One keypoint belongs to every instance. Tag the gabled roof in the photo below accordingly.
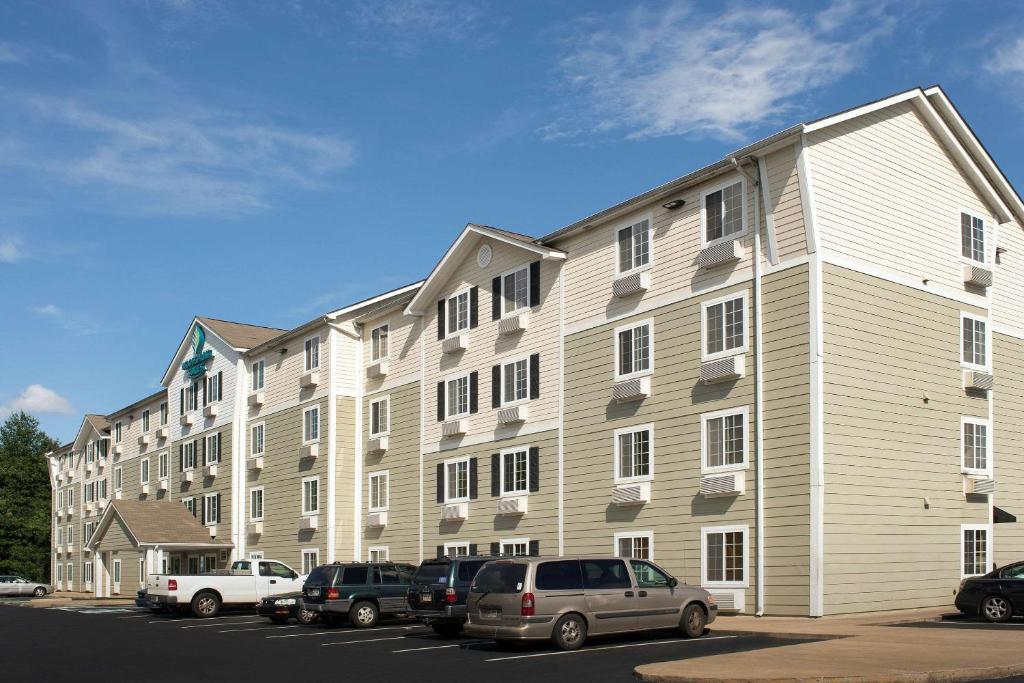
(138, 404)
(97, 423)
(239, 336)
(156, 522)
(460, 249)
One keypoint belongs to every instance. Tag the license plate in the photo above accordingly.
(314, 592)
(426, 597)
(490, 613)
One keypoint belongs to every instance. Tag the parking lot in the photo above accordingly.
(110, 643)
(957, 621)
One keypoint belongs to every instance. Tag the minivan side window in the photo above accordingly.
(500, 577)
(559, 576)
(354, 575)
(648, 576)
(605, 574)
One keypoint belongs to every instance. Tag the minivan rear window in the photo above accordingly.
(468, 570)
(559, 576)
(436, 572)
(354, 576)
(500, 577)
(322, 576)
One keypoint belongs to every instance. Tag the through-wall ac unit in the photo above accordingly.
(162, 485)
(310, 451)
(185, 420)
(454, 427)
(636, 493)
(212, 530)
(723, 369)
(635, 389)
(979, 484)
(377, 445)
(70, 510)
(378, 369)
(717, 254)
(70, 476)
(978, 380)
(89, 508)
(308, 522)
(377, 520)
(455, 343)
(89, 468)
(210, 471)
(101, 505)
(513, 415)
(144, 489)
(254, 528)
(117, 495)
(631, 284)
(514, 323)
(729, 600)
(723, 484)
(256, 398)
(210, 410)
(516, 505)
(979, 276)
(187, 476)
(118, 449)
(455, 512)
(162, 433)
(256, 462)
(144, 440)
(310, 379)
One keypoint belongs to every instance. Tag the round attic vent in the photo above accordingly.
(483, 257)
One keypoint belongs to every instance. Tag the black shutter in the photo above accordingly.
(440, 482)
(220, 385)
(495, 548)
(204, 451)
(440, 551)
(534, 469)
(474, 299)
(181, 404)
(534, 284)
(495, 474)
(440, 319)
(473, 381)
(205, 382)
(217, 521)
(535, 548)
(472, 549)
(496, 386)
(440, 401)
(496, 298)
(181, 458)
(535, 376)
(472, 478)
(220, 450)
(625, 249)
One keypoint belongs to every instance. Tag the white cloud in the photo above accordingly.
(1008, 60)
(405, 24)
(678, 71)
(37, 399)
(74, 322)
(11, 249)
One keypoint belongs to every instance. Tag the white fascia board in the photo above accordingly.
(377, 299)
(861, 111)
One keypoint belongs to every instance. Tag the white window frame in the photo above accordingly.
(387, 490)
(514, 541)
(215, 441)
(71, 534)
(616, 452)
(705, 468)
(306, 512)
(163, 467)
(263, 504)
(964, 315)
(501, 472)
(164, 414)
(375, 354)
(87, 571)
(145, 421)
(452, 545)
(115, 573)
(623, 535)
(262, 427)
(448, 393)
(311, 353)
(305, 413)
(632, 223)
(142, 571)
(60, 535)
(69, 574)
(984, 240)
(708, 530)
(187, 448)
(386, 400)
(704, 241)
(118, 432)
(257, 367)
(206, 509)
(452, 461)
(517, 401)
(190, 504)
(650, 336)
(307, 552)
(725, 353)
(378, 549)
(448, 331)
(144, 472)
(118, 479)
(987, 564)
(501, 288)
(987, 424)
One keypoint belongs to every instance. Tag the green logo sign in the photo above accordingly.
(196, 365)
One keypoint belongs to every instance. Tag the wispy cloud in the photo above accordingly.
(37, 399)
(75, 322)
(12, 249)
(648, 72)
(11, 54)
(1008, 59)
(405, 25)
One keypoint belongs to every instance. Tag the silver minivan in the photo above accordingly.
(568, 598)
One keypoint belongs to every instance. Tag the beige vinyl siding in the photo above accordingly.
(888, 348)
(403, 348)
(1008, 424)
(784, 202)
(116, 545)
(344, 363)
(887, 193)
(1007, 302)
(179, 489)
(282, 372)
(401, 460)
(345, 468)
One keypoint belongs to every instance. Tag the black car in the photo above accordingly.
(358, 591)
(280, 608)
(996, 596)
(440, 589)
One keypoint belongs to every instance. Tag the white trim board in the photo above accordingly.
(489, 437)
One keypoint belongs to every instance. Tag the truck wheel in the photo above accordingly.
(693, 621)
(446, 629)
(364, 614)
(205, 605)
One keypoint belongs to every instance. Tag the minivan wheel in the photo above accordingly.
(570, 632)
(446, 629)
(363, 614)
(996, 608)
(205, 605)
(693, 622)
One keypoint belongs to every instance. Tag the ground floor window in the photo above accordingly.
(87, 572)
(142, 571)
(638, 545)
(71, 575)
(379, 553)
(974, 542)
(60, 573)
(724, 551)
(310, 559)
(515, 546)
(117, 571)
(457, 549)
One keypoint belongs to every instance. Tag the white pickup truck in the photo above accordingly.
(205, 594)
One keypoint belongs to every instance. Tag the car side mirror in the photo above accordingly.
(673, 582)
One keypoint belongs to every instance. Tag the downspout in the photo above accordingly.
(758, 386)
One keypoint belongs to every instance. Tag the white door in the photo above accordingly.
(117, 577)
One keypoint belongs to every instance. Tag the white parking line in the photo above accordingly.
(976, 624)
(346, 633)
(178, 620)
(608, 647)
(259, 628)
(233, 623)
(364, 640)
(441, 647)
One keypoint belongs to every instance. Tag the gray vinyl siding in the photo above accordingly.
(1008, 425)
(179, 489)
(116, 545)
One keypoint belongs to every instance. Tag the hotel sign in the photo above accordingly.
(196, 365)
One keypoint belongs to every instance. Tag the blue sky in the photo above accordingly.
(268, 162)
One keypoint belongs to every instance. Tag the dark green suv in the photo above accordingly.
(439, 590)
(359, 591)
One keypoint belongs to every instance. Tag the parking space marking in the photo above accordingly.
(233, 623)
(343, 633)
(978, 624)
(178, 620)
(608, 647)
(363, 640)
(440, 647)
(259, 628)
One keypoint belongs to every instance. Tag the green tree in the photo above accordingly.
(24, 498)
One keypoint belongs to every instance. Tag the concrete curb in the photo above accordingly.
(946, 676)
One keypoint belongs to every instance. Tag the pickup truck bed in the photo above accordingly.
(204, 594)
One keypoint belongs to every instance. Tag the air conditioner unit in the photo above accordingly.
(59, 478)
(144, 440)
(724, 484)
(631, 390)
(256, 463)
(979, 276)
(101, 505)
(308, 523)
(70, 476)
(210, 471)
(377, 445)
(163, 485)
(256, 398)
(212, 530)
(729, 600)
(69, 548)
(631, 284)
(455, 512)
(254, 528)
(144, 489)
(89, 508)
(513, 415)
(454, 427)
(377, 519)
(162, 433)
(516, 505)
(310, 451)
(70, 510)
(185, 420)
(723, 369)
(118, 449)
(310, 379)
(979, 485)
(378, 369)
(187, 476)
(717, 254)
(514, 323)
(978, 380)
(455, 343)
(89, 468)
(210, 410)
(631, 494)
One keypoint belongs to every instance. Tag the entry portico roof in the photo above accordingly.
(162, 523)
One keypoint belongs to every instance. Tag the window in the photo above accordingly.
(379, 343)
(144, 471)
(649, 576)
(256, 371)
(118, 476)
(723, 213)
(213, 388)
(310, 559)
(311, 425)
(117, 433)
(515, 291)
(71, 574)
(87, 530)
(71, 497)
(724, 551)
(724, 440)
(457, 319)
(378, 553)
(190, 396)
(456, 549)
(163, 414)
(633, 451)
(311, 496)
(213, 449)
(605, 574)
(634, 245)
(312, 353)
(516, 547)
(723, 329)
(256, 440)
(457, 396)
(101, 487)
(975, 444)
(188, 455)
(211, 509)
(515, 381)
(974, 335)
(378, 491)
(60, 535)
(256, 504)
(456, 480)
(636, 545)
(162, 466)
(87, 572)
(145, 421)
(90, 492)
(972, 237)
(117, 571)
(190, 505)
(633, 349)
(379, 416)
(71, 535)
(515, 471)
(60, 573)
(142, 571)
(974, 549)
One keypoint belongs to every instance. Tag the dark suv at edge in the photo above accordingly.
(359, 591)
(439, 591)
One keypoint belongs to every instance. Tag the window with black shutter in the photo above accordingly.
(534, 284)
(440, 401)
(496, 386)
(535, 548)
(534, 469)
(496, 298)
(473, 382)
(440, 319)
(472, 549)
(474, 300)
(535, 376)
(495, 474)
(495, 548)
(472, 479)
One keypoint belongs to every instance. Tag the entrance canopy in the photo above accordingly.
(163, 524)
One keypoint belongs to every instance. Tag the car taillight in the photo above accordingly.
(333, 594)
(172, 584)
(450, 595)
(527, 609)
